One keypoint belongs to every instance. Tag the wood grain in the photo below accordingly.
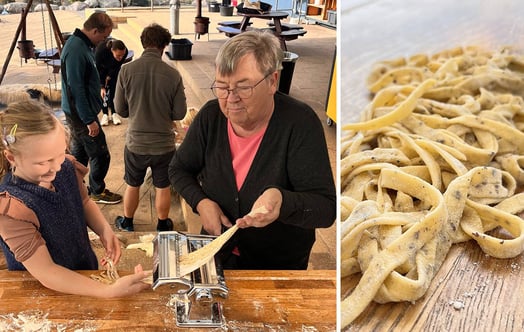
(378, 30)
(490, 289)
(257, 301)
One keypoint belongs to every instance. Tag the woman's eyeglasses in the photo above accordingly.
(243, 92)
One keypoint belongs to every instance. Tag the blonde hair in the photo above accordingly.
(21, 120)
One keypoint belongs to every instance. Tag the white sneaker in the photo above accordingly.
(105, 120)
(116, 119)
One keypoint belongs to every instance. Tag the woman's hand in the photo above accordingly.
(271, 200)
(212, 217)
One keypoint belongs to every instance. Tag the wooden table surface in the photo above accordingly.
(257, 301)
(275, 16)
(388, 29)
(491, 290)
(272, 15)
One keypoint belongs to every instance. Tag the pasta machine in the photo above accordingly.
(195, 298)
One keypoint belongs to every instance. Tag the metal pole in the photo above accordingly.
(199, 8)
(174, 11)
(56, 29)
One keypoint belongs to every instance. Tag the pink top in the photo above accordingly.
(243, 151)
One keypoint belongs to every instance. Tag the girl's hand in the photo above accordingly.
(131, 284)
(112, 246)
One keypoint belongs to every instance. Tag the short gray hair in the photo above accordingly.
(263, 45)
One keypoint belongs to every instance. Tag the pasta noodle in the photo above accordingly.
(197, 258)
(437, 159)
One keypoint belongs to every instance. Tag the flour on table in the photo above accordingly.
(37, 321)
(457, 305)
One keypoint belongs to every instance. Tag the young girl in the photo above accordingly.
(45, 209)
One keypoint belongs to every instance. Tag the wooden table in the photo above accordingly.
(388, 29)
(272, 15)
(492, 290)
(278, 30)
(258, 301)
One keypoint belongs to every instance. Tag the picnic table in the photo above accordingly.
(279, 29)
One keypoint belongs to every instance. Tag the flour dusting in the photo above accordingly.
(36, 321)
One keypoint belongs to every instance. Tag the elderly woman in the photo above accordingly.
(254, 147)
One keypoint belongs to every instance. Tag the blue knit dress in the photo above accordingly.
(61, 216)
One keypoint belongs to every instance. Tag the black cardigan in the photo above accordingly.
(292, 156)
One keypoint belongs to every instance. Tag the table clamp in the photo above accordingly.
(194, 300)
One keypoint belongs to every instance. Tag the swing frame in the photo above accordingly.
(56, 31)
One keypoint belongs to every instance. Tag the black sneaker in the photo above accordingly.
(106, 197)
(164, 225)
(123, 225)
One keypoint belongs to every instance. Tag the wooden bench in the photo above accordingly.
(55, 63)
(232, 24)
(229, 31)
(292, 34)
(48, 54)
(286, 35)
(286, 26)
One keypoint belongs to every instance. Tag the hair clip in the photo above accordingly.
(10, 138)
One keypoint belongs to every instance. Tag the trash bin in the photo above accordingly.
(180, 49)
(286, 75)
(213, 7)
(226, 10)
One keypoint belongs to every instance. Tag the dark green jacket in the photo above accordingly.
(80, 80)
